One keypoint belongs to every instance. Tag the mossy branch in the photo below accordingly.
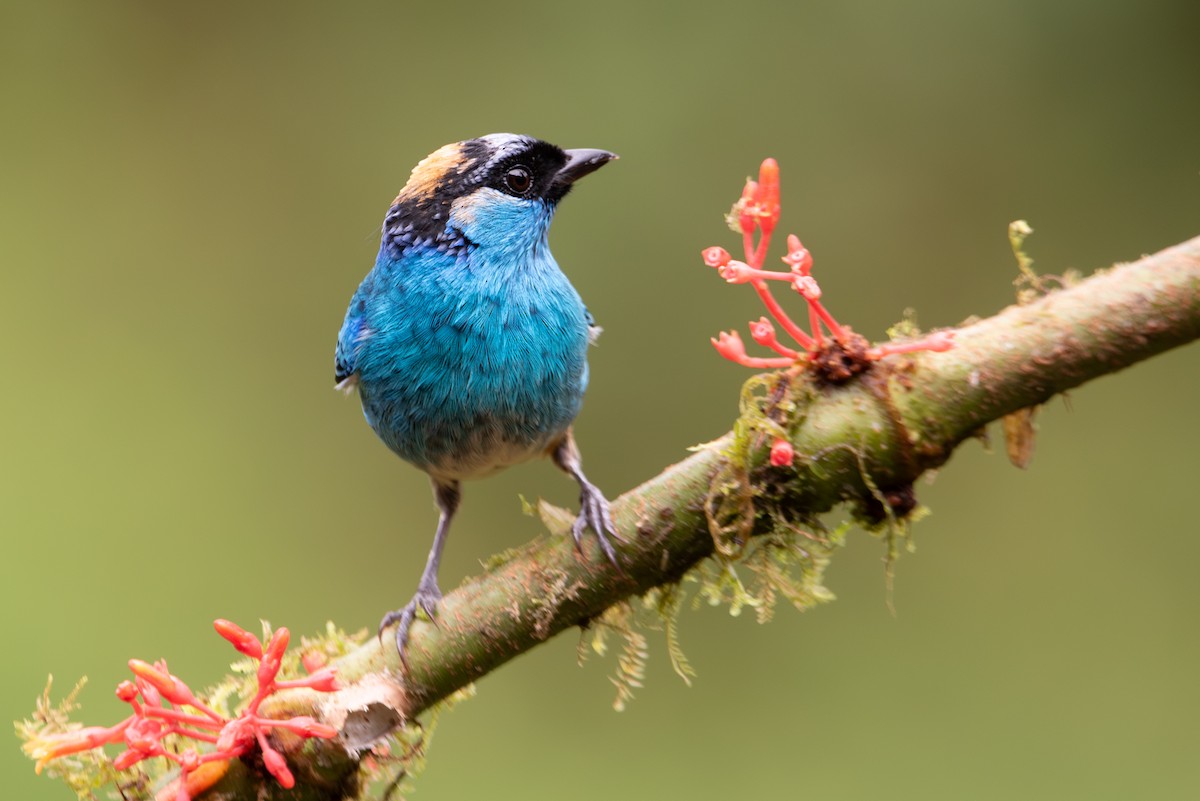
(902, 418)
(862, 442)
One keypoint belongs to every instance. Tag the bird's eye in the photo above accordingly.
(518, 180)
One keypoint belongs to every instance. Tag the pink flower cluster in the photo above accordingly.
(164, 705)
(758, 211)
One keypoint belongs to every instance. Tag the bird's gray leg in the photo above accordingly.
(446, 496)
(593, 507)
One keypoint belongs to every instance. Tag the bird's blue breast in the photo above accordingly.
(468, 358)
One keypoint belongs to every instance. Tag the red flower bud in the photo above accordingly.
(782, 453)
(149, 673)
(85, 739)
(715, 256)
(277, 766)
(798, 257)
(170, 687)
(278, 644)
(767, 196)
(730, 345)
(736, 272)
(268, 669)
(241, 639)
(149, 694)
(763, 332)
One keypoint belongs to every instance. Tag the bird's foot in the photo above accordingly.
(594, 512)
(426, 599)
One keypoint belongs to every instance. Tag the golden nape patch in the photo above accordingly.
(429, 171)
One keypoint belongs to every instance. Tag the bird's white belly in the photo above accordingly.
(489, 453)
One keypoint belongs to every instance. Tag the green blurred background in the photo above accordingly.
(190, 193)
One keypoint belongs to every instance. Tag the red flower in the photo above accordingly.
(782, 453)
(764, 334)
(715, 256)
(767, 197)
(758, 210)
(242, 640)
(730, 346)
(798, 257)
(151, 721)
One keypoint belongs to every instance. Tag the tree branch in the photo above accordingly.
(902, 417)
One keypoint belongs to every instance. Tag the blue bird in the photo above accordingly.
(466, 342)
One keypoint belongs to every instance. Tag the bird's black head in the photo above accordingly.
(497, 172)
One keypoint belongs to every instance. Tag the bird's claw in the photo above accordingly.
(426, 599)
(594, 511)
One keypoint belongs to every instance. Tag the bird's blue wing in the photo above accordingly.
(354, 329)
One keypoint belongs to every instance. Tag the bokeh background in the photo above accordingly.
(191, 192)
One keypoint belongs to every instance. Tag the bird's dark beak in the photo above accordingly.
(580, 162)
